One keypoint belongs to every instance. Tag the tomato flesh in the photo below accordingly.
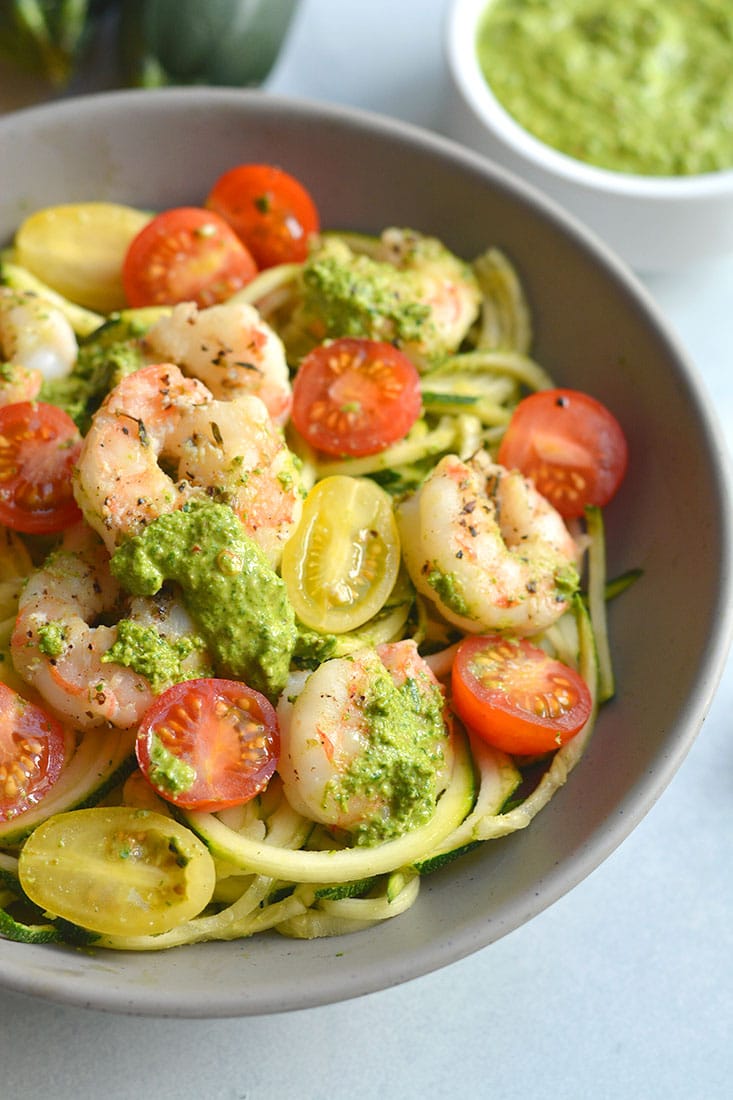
(355, 397)
(342, 562)
(208, 744)
(570, 445)
(515, 696)
(32, 749)
(185, 255)
(117, 870)
(39, 447)
(269, 210)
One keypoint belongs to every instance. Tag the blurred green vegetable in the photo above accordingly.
(227, 42)
(47, 37)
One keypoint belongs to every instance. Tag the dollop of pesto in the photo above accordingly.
(52, 639)
(639, 86)
(167, 771)
(402, 756)
(237, 600)
(449, 590)
(353, 294)
(160, 661)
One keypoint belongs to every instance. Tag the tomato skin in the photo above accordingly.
(515, 696)
(39, 447)
(221, 733)
(269, 210)
(32, 752)
(571, 446)
(186, 254)
(355, 396)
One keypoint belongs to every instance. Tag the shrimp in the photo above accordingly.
(35, 336)
(444, 283)
(364, 743)
(229, 348)
(487, 549)
(56, 649)
(18, 384)
(160, 440)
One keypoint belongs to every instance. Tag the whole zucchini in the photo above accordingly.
(226, 42)
(47, 37)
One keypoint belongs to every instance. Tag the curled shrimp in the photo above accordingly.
(59, 647)
(56, 648)
(337, 770)
(36, 339)
(160, 439)
(443, 282)
(487, 549)
(229, 348)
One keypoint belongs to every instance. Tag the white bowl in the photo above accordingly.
(658, 223)
(596, 330)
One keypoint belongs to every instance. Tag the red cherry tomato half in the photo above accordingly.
(185, 255)
(571, 446)
(355, 397)
(208, 744)
(515, 696)
(39, 447)
(269, 210)
(32, 751)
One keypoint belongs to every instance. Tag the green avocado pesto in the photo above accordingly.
(355, 295)
(228, 586)
(160, 661)
(449, 591)
(640, 86)
(402, 755)
(52, 639)
(167, 771)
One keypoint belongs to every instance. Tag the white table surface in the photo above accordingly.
(624, 988)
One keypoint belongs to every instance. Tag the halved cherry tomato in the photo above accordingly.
(342, 562)
(208, 744)
(117, 870)
(355, 396)
(185, 255)
(268, 209)
(515, 696)
(571, 446)
(32, 750)
(39, 447)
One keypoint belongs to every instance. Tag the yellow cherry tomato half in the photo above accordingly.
(77, 249)
(117, 870)
(342, 562)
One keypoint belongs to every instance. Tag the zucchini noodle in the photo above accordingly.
(273, 867)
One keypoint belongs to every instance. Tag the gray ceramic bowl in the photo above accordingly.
(596, 330)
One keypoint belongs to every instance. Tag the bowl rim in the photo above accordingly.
(92, 989)
(460, 24)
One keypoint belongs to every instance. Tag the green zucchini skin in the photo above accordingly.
(48, 37)
(222, 42)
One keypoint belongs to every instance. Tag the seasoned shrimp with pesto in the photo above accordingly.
(365, 743)
(483, 546)
(160, 440)
(84, 667)
(407, 288)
